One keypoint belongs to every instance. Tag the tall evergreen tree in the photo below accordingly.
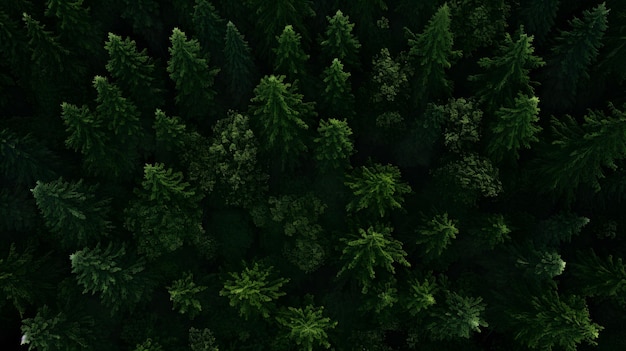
(333, 146)
(238, 67)
(183, 293)
(339, 42)
(208, 26)
(75, 24)
(600, 276)
(507, 73)
(537, 17)
(52, 331)
(337, 98)
(120, 114)
(190, 70)
(431, 54)
(458, 317)
(306, 327)
(290, 58)
(436, 234)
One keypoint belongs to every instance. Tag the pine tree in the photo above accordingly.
(458, 317)
(190, 70)
(507, 73)
(306, 327)
(436, 234)
(238, 67)
(183, 293)
(598, 276)
(120, 114)
(252, 291)
(337, 98)
(554, 322)
(431, 54)
(207, 25)
(421, 294)
(339, 42)
(170, 135)
(282, 118)
(72, 212)
(538, 16)
(514, 128)
(134, 72)
(372, 248)
(111, 273)
(377, 189)
(164, 213)
(574, 52)
(50, 331)
(333, 146)
(290, 58)
(75, 24)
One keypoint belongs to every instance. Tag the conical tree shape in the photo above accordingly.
(600, 276)
(337, 98)
(306, 327)
(333, 146)
(339, 42)
(458, 317)
(514, 128)
(537, 17)
(52, 331)
(183, 293)
(238, 67)
(75, 24)
(120, 113)
(507, 73)
(193, 77)
(431, 54)
(290, 58)
(72, 212)
(208, 26)
(436, 234)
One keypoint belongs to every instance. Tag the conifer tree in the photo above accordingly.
(339, 42)
(431, 55)
(120, 114)
(111, 273)
(514, 128)
(333, 146)
(253, 291)
(458, 317)
(372, 248)
(421, 294)
(164, 213)
(238, 67)
(208, 26)
(75, 24)
(202, 340)
(553, 322)
(377, 189)
(170, 136)
(282, 117)
(600, 276)
(134, 72)
(23, 159)
(436, 234)
(507, 73)
(337, 98)
(190, 70)
(183, 293)
(50, 331)
(537, 17)
(462, 124)
(573, 54)
(290, 58)
(143, 15)
(306, 327)
(72, 212)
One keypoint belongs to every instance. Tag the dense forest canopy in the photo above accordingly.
(308, 175)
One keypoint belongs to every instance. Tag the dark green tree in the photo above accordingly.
(337, 98)
(120, 113)
(537, 17)
(600, 276)
(253, 291)
(202, 340)
(421, 295)
(190, 71)
(436, 234)
(50, 331)
(333, 146)
(75, 24)
(208, 26)
(306, 327)
(339, 42)
(431, 54)
(290, 58)
(184, 295)
(377, 189)
(238, 67)
(457, 317)
(469, 178)
(507, 74)
(72, 212)
(462, 124)
(390, 78)
(170, 135)
(23, 159)
(514, 128)
(144, 17)
(477, 23)
(371, 249)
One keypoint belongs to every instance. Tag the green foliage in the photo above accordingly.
(111, 273)
(431, 54)
(183, 293)
(47, 53)
(436, 234)
(202, 340)
(305, 253)
(48, 331)
(190, 71)
(149, 345)
(75, 23)
(164, 213)
(238, 66)
(377, 189)
(458, 317)
(333, 146)
(306, 327)
(538, 17)
(477, 23)
(23, 159)
(462, 124)
(121, 114)
(170, 132)
(494, 230)
(600, 276)
(390, 77)
(19, 281)
(290, 58)
(207, 25)
(553, 322)
(17, 210)
(560, 228)
(339, 42)
(282, 117)
(507, 73)
(253, 291)
(298, 215)
(515, 128)
(421, 295)
(371, 249)
(541, 264)
(72, 212)
(473, 174)
(337, 98)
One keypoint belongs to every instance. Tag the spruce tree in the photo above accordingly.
(238, 67)
(457, 317)
(421, 295)
(120, 114)
(514, 128)
(436, 234)
(371, 249)
(207, 25)
(170, 133)
(337, 98)
(333, 146)
(306, 327)
(290, 58)
(339, 42)
(600, 276)
(75, 24)
(507, 73)
(190, 71)
(431, 55)
(183, 293)
(72, 212)
(50, 331)
(537, 17)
